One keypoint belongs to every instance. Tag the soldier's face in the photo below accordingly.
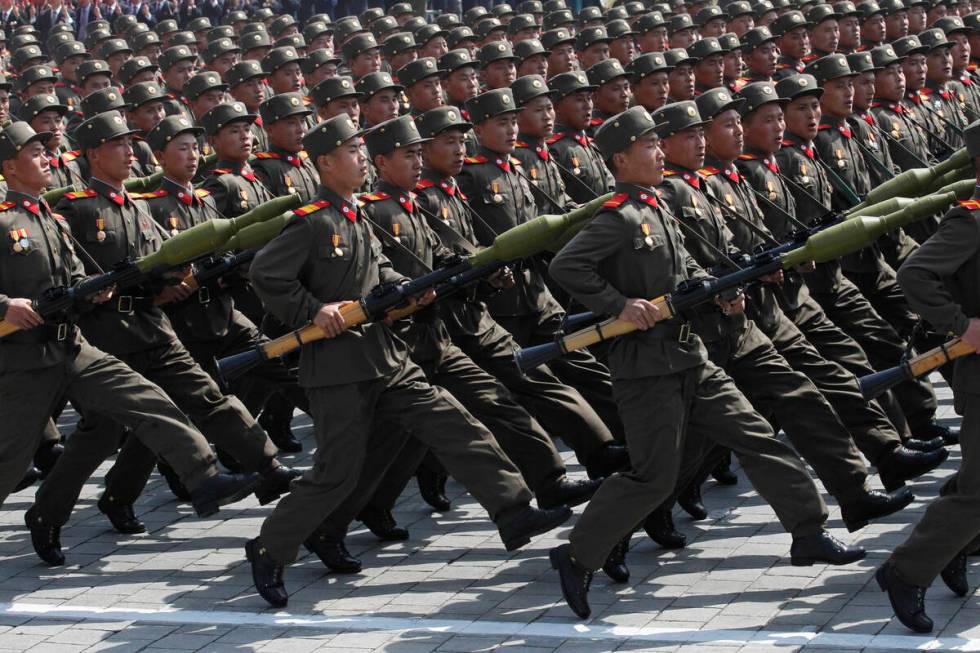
(614, 96)
(714, 27)
(593, 54)
(403, 167)
(180, 158)
(499, 133)
(113, 160)
(683, 38)
(864, 90)
(435, 47)
(425, 94)
(914, 67)
(575, 110)
(917, 19)
(960, 51)
(287, 133)
(873, 28)
(897, 25)
(655, 40)
(536, 65)
(30, 168)
(233, 142)
(724, 136)
(251, 93)
(345, 169)
(685, 148)
(762, 60)
(733, 64)
(642, 162)
(50, 121)
(288, 79)
(178, 74)
(341, 105)
(803, 117)
(44, 87)
(764, 128)
(445, 153)
(207, 101)
(838, 97)
(624, 49)
(224, 62)
(69, 65)
(890, 83)
(825, 36)
(651, 91)
(710, 71)
(850, 32)
(681, 81)
(741, 24)
(366, 62)
(462, 84)
(4, 105)
(499, 74)
(562, 59)
(795, 43)
(537, 118)
(381, 106)
(939, 65)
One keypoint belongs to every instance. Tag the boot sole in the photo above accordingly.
(250, 557)
(211, 507)
(897, 483)
(555, 564)
(518, 541)
(853, 526)
(809, 561)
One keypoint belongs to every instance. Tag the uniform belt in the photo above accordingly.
(670, 330)
(130, 304)
(47, 332)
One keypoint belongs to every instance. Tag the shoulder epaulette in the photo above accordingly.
(479, 158)
(425, 183)
(150, 195)
(748, 157)
(221, 171)
(825, 126)
(311, 208)
(555, 138)
(595, 121)
(615, 201)
(970, 205)
(7, 205)
(707, 171)
(200, 192)
(267, 155)
(668, 172)
(374, 197)
(71, 155)
(521, 144)
(515, 161)
(80, 194)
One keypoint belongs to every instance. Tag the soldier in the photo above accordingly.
(362, 55)
(369, 376)
(246, 85)
(399, 49)
(499, 193)
(940, 280)
(591, 46)
(285, 168)
(709, 69)
(532, 58)
(335, 96)
(560, 44)
(662, 382)
(937, 94)
(318, 66)
(896, 19)
(963, 84)
(872, 25)
(681, 32)
(69, 56)
(581, 166)
(498, 65)
(710, 22)
(535, 125)
(204, 91)
(282, 70)
(45, 359)
(680, 76)
(649, 80)
(114, 228)
(220, 55)
(255, 45)
(45, 114)
(824, 31)
(144, 106)
(232, 183)
(915, 68)
(177, 66)
(793, 40)
(421, 79)
(760, 54)
(612, 92)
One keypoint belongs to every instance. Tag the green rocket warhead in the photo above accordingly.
(913, 182)
(150, 182)
(256, 235)
(881, 208)
(535, 235)
(208, 237)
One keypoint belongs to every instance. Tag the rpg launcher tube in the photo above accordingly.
(875, 385)
(914, 182)
(256, 235)
(881, 208)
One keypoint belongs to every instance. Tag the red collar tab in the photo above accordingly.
(844, 130)
(615, 201)
(503, 164)
(970, 205)
(406, 202)
(646, 198)
(349, 212)
(186, 198)
(581, 139)
(247, 172)
(448, 186)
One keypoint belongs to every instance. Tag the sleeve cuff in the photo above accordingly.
(960, 324)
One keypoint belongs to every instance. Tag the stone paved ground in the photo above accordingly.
(185, 586)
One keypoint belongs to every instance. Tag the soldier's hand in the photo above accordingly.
(776, 277)
(330, 319)
(640, 313)
(971, 336)
(809, 266)
(503, 278)
(427, 298)
(21, 313)
(175, 293)
(733, 307)
(103, 296)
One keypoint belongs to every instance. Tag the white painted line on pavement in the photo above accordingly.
(499, 628)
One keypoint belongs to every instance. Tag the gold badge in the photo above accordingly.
(335, 240)
(173, 225)
(647, 238)
(100, 225)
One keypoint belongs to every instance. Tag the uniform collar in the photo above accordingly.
(726, 168)
(241, 169)
(447, 184)
(576, 134)
(347, 207)
(292, 158)
(692, 177)
(180, 192)
(118, 197)
(35, 205)
(638, 193)
(536, 144)
(502, 161)
(403, 197)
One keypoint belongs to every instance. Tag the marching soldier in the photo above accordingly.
(612, 92)
(176, 66)
(937, 95)
(581, 166)
(360, 377)
(760, 54)
(246, 85)
(285, 168)
(793, 41)
(69, 56)
(664, 383)
(45, 114)
(649, 81)
(535, 124)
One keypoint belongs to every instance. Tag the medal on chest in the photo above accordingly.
(289, 183)
(534, 174)
(575, 166)
(647, 238)
(21, 240)
(243, 194)
(803, 174)
(771, 186)
(173, 222)
(445, 214)
(335, 241)
(396, 230)
(730, 200)
(100, 225)
(497, 197)
(839, 153)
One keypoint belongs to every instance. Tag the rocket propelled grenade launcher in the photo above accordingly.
(186, 247)
(518, 242)
(877, 384)
(915, 181)
(821, 244)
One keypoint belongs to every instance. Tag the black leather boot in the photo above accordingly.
(30, 477)
(823, 547)
(519, 529)
(575, 580)
(908, 601)
(874, 505)
(954, 575)
(615, 566)
(902, 464)
(566, 492)
(47, 456)
(275, 483)
(333, 554)
(276, 419)
(916, 444)
(382, 523)
(222, 489)
(122, 516)
(723, 472)
(432, 487)
(690, 501)
(266, 574)
(659, 525)
(46, 539)
(611, 458)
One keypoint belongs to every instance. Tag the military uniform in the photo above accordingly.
(283, 172)
(363, 377)
(664, 384)
(113, 228)
(503, 199)
(40, 365)
(536, 163)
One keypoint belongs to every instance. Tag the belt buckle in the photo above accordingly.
(204, 295)
(125, 304)
(62, 331)
(684, 337)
